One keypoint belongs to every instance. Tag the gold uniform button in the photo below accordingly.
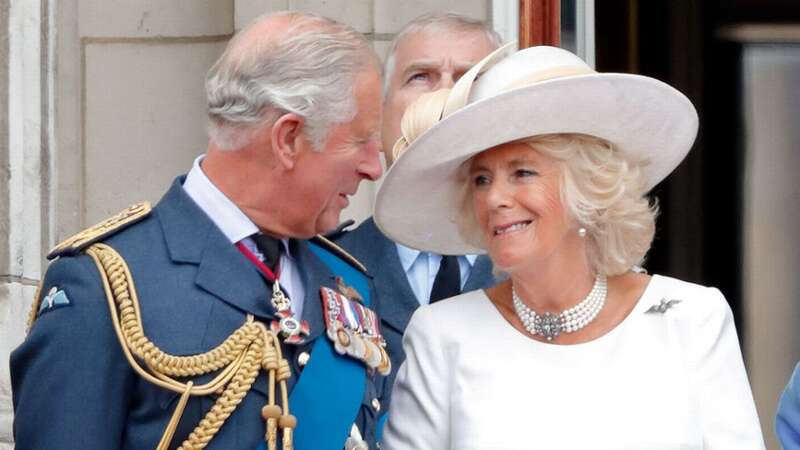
(303, 358)
(376, 404)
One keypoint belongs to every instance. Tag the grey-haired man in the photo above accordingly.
(214, 319)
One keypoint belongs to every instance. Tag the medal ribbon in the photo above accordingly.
(265, 271)
(290, 329)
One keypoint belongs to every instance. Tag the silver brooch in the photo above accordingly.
(663, 306)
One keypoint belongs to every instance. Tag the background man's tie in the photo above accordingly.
(448, 279)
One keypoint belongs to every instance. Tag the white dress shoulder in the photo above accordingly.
(659, 380)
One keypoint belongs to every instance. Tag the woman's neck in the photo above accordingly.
(555, 286)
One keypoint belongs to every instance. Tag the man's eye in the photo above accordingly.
(421, 76)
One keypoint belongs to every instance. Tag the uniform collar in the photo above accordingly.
(233, 223)
(192, 237)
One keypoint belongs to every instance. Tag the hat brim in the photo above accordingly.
(648, 121)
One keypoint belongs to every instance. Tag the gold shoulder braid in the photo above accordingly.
(75, 243)
(123, 219)
(238, 359)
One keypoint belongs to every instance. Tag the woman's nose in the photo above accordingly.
(500, 195)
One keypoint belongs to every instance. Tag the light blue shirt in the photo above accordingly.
(421, 269)
(237, 227)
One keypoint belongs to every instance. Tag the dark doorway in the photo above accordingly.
(699, 231)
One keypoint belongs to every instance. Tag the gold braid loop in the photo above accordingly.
(141, 346)
(284, 371)
(270, 361)
(239, 359)
(227, 402)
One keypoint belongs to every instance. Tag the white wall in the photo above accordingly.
(771, 77)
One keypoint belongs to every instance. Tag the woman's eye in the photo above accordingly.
(480, 180)
(522, 173)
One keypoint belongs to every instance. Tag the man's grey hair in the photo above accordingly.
(310, 70)
(437, 21)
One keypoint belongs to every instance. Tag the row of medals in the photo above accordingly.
(294, 332)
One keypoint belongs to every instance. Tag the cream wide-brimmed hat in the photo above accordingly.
(535, 91)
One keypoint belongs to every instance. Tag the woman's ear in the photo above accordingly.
(288, 139)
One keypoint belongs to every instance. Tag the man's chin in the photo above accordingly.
(328, 224)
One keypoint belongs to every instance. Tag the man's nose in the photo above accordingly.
(446, 81)
(371, 168)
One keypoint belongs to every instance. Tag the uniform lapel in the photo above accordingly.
(389, 277)
(192, 238)
(481, 274)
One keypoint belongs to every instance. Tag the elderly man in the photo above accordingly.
(430, 53)
(218, 318)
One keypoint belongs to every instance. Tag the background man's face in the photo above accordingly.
(424, 62)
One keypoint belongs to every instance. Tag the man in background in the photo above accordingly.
(429, 53)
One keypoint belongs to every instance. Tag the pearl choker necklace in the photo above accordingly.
(570, 320)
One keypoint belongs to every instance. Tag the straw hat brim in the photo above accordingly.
(645, 119)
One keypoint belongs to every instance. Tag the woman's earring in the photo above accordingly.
(582, 232)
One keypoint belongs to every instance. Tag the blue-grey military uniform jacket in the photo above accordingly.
(396, 301)
(73, 387)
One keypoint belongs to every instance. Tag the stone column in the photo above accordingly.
(25, 137)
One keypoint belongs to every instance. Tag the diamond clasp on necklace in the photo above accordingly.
(547, 325)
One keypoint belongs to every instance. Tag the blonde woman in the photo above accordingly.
(545, 164)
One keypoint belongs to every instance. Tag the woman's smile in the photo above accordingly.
(512, 227)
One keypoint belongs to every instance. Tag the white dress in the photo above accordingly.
(671, 380)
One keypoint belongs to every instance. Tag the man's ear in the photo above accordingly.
(288, 139)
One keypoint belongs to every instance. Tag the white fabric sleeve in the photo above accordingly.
(419, 412)
(718, 377)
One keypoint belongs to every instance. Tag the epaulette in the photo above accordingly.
(326, 243)
(102, 230)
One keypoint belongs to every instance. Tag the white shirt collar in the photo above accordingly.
(222, 211)
(236, 226)
(409, 255)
